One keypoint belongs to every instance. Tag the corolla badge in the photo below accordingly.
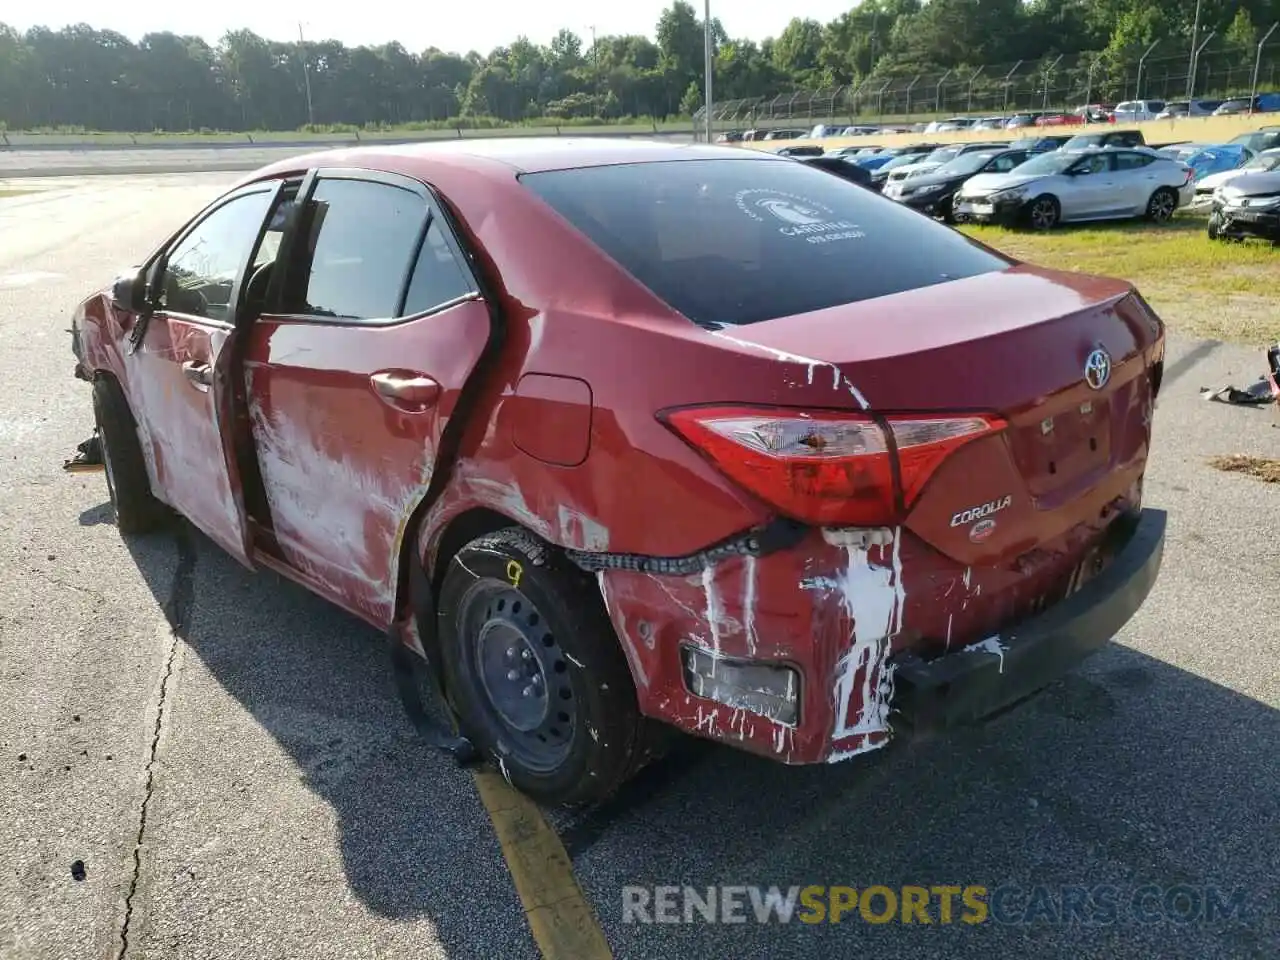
(1097, 369)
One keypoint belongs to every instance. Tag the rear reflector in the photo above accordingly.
(827, 467)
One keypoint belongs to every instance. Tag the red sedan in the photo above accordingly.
(614, 435)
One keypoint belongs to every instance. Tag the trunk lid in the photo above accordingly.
(1015, 343)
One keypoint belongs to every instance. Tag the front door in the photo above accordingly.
(352, 375)
(1092, 190)
(177, 372)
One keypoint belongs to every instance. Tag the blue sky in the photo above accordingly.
(473, 24)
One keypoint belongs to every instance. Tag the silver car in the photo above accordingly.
(1107, 183)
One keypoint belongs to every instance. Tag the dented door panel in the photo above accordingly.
(343, 469)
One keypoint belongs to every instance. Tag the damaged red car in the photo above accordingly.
(612, 436)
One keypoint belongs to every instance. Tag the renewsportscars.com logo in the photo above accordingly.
(973, 904)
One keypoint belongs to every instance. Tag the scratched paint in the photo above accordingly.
(619, 619)
(839, 380)
(874, 597)
(992, 646)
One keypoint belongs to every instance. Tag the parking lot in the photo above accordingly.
(225, 755)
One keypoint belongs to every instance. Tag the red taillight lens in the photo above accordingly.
(826, 467)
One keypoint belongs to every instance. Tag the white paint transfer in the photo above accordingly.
(620, 628)
(574, 660)
(991, 645)
(750, 574)
(811, 365)
(580, 532)
(714, 611)
(873, 596)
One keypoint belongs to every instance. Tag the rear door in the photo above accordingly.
(353, 374)
(177, 370)
(1136, 180)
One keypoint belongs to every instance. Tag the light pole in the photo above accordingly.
(1257, 62)
(595, 62)
(306, 76)
(1195, 68)
(968, 107)
(706, 53)
(1047, 74)
(937, 93)
(1142, 61)
(1191, 65)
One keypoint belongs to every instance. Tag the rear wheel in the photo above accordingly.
(136, 508)
(534, 670)
(1161, 205)
(1044, 212)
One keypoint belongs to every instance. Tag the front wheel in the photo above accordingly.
(1044, 212)
(1161, 205)
(534, 670)
(137, 510)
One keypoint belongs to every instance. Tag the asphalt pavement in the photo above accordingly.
(224, 754)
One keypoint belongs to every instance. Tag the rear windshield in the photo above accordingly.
(731, 242)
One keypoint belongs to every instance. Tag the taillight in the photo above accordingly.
(827, 467)
(1191, 174)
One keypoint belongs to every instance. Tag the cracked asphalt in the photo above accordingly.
(225, 755)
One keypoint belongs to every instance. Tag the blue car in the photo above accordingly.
(1210, 158)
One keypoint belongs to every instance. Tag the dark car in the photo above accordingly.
(1247, 206)
(807, 150)
(1039, 144)
(606, 435)
(1108, 138)
(933, 193)
(842, 167)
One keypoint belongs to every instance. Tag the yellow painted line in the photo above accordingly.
(563, 924)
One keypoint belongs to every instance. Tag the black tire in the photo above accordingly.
(513, 608)
(1044, 212)
(1162, 204)
(136, 508)
(1214, 227)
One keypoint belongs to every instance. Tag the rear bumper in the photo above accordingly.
(982, 679)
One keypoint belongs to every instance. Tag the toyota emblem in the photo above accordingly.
(1097, 369)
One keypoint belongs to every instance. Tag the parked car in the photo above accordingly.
(730, 136)
(1041, 144)
(518, 404)
(842, 167)
(937, 158)
(887, 160)
(953, 123)
(933, 192)
(823, 130)
(989, 123)
(1106, 138)
(1019, 120)
(1263, 162)
(1070, 185)
(1188, 108)
(1138, 111)
(1248, 206)
(1209, 158)
(783, 134)
(1260, 140)
(867, 151)
(1262, 103)
(1059, 120)
(803, 150)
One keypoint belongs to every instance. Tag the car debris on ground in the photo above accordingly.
(1264, 390)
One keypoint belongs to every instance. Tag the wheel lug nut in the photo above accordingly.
(525, 654)
(529, 691)
(513, 674)
(511, 653)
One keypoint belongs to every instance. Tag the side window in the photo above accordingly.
(264, 258)
(437, 276)
(362, 239)
(202, 268)
(1132, 161)
(1006, 163)
(1097, 163)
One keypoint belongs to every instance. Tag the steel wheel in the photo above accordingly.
(523, 673)
(1161, 205)
(1043, 213)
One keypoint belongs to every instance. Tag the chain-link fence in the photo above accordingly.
(1063, 83)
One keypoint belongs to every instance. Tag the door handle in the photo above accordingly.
(200, 374)
(406, 390)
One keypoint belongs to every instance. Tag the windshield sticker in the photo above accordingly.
(796, 216)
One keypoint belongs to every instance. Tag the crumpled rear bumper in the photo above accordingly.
(985, 678)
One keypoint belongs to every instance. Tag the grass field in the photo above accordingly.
(1221, 291)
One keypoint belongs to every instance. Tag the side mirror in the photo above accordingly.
(128, 292)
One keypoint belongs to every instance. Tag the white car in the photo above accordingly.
(1175, 109)
(931, 162)
(1138, 111)
(1105, 183)
(1265, 162)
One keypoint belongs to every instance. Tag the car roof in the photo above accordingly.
(519, 154)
